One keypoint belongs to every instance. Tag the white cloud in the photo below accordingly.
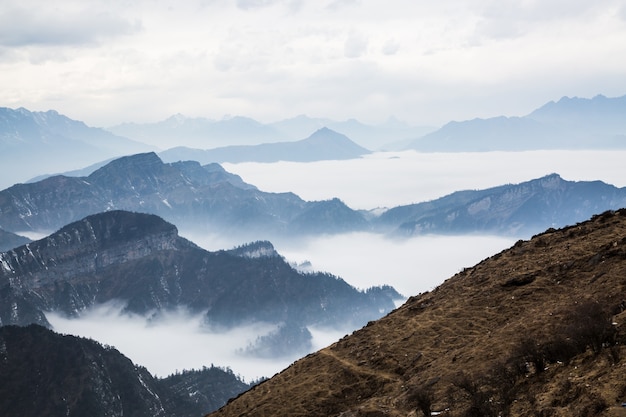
(46, 25)
(389, 179)
(355, 46)
(273, 59)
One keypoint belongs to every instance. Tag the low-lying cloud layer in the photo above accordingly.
(177, 340)
(388, 179)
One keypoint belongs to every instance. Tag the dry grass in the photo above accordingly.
(455, 349)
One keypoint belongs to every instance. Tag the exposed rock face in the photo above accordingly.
(536, 330)
(47, 374)
(139, 259)
(184, 193)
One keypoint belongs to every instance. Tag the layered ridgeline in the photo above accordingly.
(323, 144)
(512, 209)
(202, 198)
(52, 142)
(570, 123)
(209, 199)
(48, 374)
(536, 330)
(139, 260)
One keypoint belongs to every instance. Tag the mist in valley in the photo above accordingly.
(388, 179)
(178, 340)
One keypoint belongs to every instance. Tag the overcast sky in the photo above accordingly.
(425, 62)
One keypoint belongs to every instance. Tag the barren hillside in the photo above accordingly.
(536, 330)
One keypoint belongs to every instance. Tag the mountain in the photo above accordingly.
(324, 144)
(570, 123)
(140, 260)
(199, 132)
(373, 137)
(195, 197)
(536, 330)
(33, 143)
(48, 374)
(203, 133)
(513, 209)
(10, 240)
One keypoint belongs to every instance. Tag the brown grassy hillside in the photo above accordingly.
(536, 330)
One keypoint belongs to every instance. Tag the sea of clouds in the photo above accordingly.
(415, 265)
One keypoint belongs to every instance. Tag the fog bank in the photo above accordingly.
(176, 341)
(388, 179)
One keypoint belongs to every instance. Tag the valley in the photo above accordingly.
(251, 265)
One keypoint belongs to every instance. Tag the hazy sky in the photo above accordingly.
(110, 61)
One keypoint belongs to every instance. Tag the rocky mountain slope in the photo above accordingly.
(48, 374)
(570, 123)
(536, 330)
(140, 260)
(202, 198)
(51, 142)
(513, 209)
(323, 144)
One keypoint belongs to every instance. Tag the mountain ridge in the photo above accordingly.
(185, 193)
(512, 209)
(323, 144)
(537, 329)
(46, 139)
(569, 123)
(139, 260)
(45, 373)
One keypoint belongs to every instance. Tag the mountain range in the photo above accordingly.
(203, 133)
(209, 199)
(324, 144)
(139, 260)
(35, 143)
(48, 374)
(200, 198)
(536, 330)
(570, 123)
(512, 209)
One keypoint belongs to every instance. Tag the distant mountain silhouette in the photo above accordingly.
(48, 374)
(34, 143)
(203, 133)
(515, 209)
(374, 137)
(324, 144)
(200, 132)
(140, 260)
(201, 198)
(570, 123)
(209, 199)
(538, 329)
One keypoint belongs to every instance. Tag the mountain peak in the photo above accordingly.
(118, 225)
